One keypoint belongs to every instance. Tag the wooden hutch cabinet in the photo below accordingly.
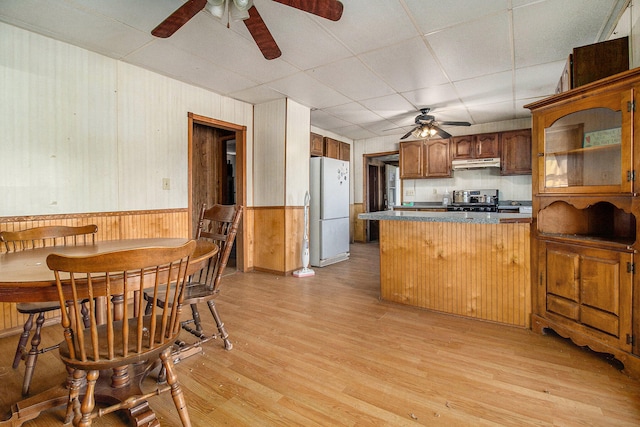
(425, 159)
(586, 146)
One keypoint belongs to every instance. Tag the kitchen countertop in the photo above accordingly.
(461, 217)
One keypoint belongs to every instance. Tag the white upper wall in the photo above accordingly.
(81, 132)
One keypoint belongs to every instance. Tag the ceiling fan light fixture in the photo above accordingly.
(424, 131)
(216, 7)
(243, 5)
(240, 10)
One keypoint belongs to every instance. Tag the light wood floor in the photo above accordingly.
(324, 351)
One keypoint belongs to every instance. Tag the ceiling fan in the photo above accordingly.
(245, 10)
(429, 127)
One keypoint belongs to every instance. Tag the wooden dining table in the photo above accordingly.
(25, 277)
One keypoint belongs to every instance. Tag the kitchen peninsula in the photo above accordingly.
(472, 264)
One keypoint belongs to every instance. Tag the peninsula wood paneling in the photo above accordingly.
(111, 226)
(474, 270)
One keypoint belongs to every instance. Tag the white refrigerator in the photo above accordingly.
(328, 211)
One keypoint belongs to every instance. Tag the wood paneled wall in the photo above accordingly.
(277, 238)
(474, 270)
(111, 226)
(358, 232)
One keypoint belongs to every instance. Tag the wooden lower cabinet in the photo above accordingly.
(589, 291)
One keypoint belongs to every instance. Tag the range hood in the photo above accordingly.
(476, 163)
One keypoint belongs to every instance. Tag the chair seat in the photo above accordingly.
(36, 307)
(133, 357)
(194, 292)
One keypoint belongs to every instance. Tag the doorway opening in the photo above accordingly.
(217, 174)
(381, 187)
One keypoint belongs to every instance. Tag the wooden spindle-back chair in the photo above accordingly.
(32, 238)
(218, 224)
(129, 337)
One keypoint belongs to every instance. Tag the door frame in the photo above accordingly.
(366, 160)
(241, 176)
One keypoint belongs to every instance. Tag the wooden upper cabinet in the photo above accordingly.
(317, 145)
(487, 145)
(411, 160)
(336, 149)
(480, 146)
(425, 159)
(331, 148)
(463, 146)
(437, 158)
(515, 158)
(345, 152)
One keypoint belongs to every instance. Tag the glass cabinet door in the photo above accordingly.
(588, 149)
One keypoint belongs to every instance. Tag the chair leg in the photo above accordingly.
(196, 317)
(89, 402)
(223, 332)
(176, 390)
(22, 343)
(32, 356)
(75, 381)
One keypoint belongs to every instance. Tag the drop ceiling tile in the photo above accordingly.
(257, 95)
(308, 91)
(389, 106)
(538, 80)
(354, 113)
(327, 121)
(368, 25)
(441, 96)
(351, 78)
(486, 89)
(437, 15)
(487, 113)
(548, 31)
(355, 132)
(189, 68)
(474, 49)
(75, 26)
(405, 66)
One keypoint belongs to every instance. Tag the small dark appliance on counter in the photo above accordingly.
(474, 201)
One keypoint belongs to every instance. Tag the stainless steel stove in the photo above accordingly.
(474, 201)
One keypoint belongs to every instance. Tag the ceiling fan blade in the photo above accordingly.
(328, 9)
(177, 19)
(441, 133)
(454, 123)
(262, 35)
(406, 135)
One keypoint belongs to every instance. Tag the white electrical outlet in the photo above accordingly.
(435, 191)
(166, 184)
(409, 192)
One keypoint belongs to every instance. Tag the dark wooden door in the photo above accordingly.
(211, 181)
(375, 198)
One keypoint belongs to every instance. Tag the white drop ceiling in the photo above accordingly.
(468, 60)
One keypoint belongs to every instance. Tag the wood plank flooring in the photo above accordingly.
(324, 351)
